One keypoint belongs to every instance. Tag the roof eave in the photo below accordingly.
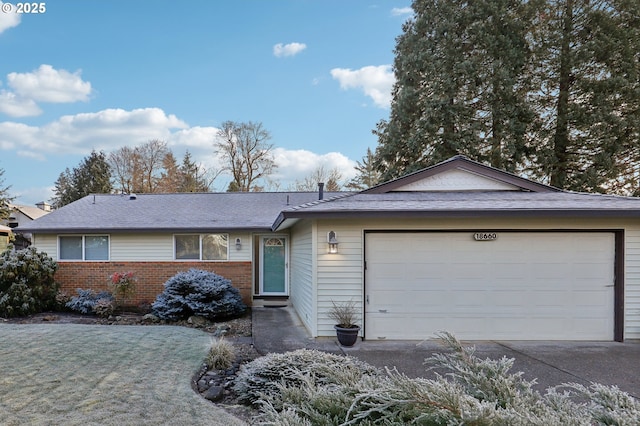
(346, 214)
(86, 230)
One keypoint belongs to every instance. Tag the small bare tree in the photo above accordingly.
(124, 167)
(151, 156)
(139, 169)
(330, 178)
(246, 154)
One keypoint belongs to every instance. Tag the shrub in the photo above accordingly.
(264, 375)
(221, 354)
(62, 297)
(87, 300)
(27, 285)
(472, 391)
(103, 307)
(198, 292)
(123, 285)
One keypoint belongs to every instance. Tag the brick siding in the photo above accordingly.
(151, 276)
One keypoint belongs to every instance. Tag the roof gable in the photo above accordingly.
(460, 174)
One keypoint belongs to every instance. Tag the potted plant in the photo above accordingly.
(345, 315)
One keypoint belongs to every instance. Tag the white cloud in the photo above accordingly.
(16, 106)
(401, 11)
(8, 20)
(291, 49)
(297, 164)
(110, 129)
(194, 137)
(78, 134)
(375, 81)
(47, 84)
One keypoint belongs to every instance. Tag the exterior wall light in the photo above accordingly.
(333, 242)
(238, 244)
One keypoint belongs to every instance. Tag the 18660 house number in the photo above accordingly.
(485, 236)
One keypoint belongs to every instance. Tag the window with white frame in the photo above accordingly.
(83, 247)
(202, 247)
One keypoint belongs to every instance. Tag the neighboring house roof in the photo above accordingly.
(182, 212)
(29, 211)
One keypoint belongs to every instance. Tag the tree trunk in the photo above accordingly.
(560, 167)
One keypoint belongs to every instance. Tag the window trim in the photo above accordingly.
(200, 240)
(84, 247)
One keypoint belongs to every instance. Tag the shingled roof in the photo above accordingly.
(269, 211)
(525, 198)
(182, 212)
(465, 204)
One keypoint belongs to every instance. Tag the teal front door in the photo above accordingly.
(273, 272)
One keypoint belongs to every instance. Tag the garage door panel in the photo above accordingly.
(520, 286)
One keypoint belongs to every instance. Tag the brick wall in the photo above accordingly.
(151, 276)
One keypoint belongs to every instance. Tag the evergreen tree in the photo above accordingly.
(589, 94)
(193, 177)
(5, 198)
(91, 176)
(460, 87)
(547, 86)
(170, 177)
(367, 175)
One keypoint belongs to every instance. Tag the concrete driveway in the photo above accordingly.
(550, 363)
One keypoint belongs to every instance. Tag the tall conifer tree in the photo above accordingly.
(550, 87)
(460, 87)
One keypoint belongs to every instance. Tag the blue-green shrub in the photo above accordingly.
(198, 292)
(87, 300)
(27, 285)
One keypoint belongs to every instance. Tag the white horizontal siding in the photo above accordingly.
(46, 243)
(340, 275)
(302, 272)
(246, 246)
(632, 283)
(146, 247)
(141, 247)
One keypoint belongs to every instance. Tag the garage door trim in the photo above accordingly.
(618, 267)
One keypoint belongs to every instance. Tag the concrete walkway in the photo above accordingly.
(551, 363)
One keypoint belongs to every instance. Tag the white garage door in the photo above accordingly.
(520, 286)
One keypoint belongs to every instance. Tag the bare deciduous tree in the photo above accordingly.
(330, 178)
(139, 169)
(246, 154)
(123, 166)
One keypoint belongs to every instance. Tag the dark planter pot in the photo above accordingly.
(347, 336)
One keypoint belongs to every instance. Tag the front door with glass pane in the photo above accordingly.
(273, 266)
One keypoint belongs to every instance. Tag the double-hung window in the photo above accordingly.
(83, 247)
(201, 247)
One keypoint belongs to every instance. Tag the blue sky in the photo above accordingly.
(102, 74)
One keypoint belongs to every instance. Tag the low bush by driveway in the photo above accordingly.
(95, 375)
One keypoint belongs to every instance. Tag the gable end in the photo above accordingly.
(467, 172)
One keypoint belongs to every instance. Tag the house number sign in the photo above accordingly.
(485, 236)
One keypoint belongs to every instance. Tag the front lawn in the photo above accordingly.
(52, 374)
